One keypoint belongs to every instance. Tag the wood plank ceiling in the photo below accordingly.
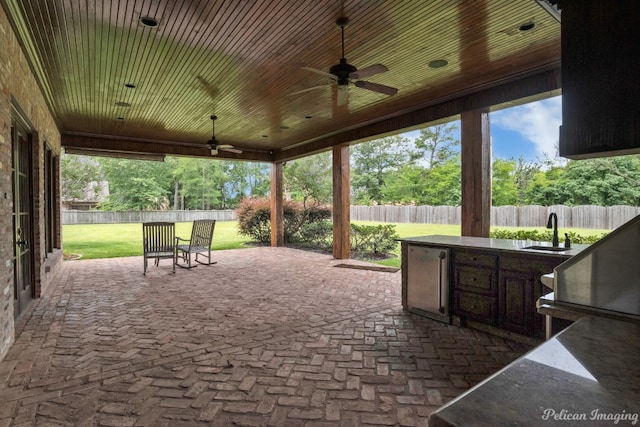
(243, 61)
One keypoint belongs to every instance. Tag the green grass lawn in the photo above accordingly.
(121, 240)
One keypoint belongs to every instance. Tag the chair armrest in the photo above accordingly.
(180, 238)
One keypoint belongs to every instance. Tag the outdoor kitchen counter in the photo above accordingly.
(493, 244)
(589, 374)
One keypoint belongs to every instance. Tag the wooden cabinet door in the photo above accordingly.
(516, 302)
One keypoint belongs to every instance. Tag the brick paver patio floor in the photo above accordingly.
(266, 337)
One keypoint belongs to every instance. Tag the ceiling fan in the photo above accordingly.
(344, 74)
(213, 143)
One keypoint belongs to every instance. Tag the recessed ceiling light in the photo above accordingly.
(265, 136)
(307, 117)
(284, 127)
(120, 119)
(130, 85)
(123, 104)
(527, 26)
(438, 63)
(147, 21)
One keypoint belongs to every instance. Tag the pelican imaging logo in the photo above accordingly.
(595, 415)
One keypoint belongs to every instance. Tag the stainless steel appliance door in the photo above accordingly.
(428, 281)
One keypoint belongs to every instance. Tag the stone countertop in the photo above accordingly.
(517, 246)
(587, 375)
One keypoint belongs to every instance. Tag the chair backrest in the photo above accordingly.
(158, 236)
(202, 233)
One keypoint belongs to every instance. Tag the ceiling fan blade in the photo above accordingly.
(368, 71)
(343, 95)
(322, 73)
(230, 149)
(376, 87)
(307, 90)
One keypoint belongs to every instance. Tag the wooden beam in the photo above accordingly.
(277, 205)
(341, 203)
(111, 143)
(476, 173)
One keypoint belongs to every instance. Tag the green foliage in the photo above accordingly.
(200, 181)
(373, 239)
(545, 236)
(137, 184)
(504, 189)
(374, 162)
(182, 183)
(254, 218)
(309, 179)
(79, 175)
(437, 143)
(317, 234)
(603, 182)
(443, 185)
(243, 179)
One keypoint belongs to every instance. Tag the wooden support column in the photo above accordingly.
(277, 210)
(341, 203)
(476, 173)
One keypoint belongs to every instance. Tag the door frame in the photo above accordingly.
(19, 123)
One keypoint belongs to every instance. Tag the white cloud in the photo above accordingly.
(538, 122)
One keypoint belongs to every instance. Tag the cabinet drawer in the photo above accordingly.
(482, 280)
(476, 259)
(476, 307)
(533, 264)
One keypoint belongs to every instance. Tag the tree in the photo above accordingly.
(407, 186)
(137, 184)
(309, 179)
(443, 184)
(438, 143)
(524, 174)
(504, 189)
(373, 163)
(603, 182)
(201, 182)
(80, 175)
(244, 179)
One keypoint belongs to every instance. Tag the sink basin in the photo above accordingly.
(546, 248)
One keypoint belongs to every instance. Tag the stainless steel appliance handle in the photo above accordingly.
(442, 256)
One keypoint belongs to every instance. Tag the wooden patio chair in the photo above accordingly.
(158, 241)
(199, 244)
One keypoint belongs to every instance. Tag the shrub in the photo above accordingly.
(254, 218)
(545, 236)
(373, 239)
(317, 234)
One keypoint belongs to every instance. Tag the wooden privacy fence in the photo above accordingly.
(599, 217)
(120, 217)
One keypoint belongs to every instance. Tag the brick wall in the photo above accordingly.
(18, 86)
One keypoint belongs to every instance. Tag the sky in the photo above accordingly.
(530, 130)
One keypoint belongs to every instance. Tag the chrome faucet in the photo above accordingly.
(553, 223)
